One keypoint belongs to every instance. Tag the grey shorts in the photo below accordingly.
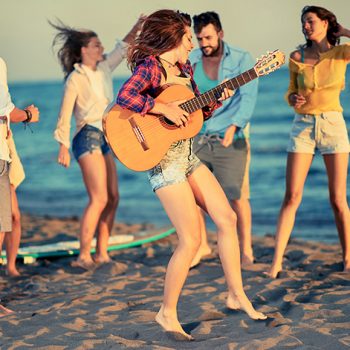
(326, 132)
(230, 165)
(5, 202)
(178, 163)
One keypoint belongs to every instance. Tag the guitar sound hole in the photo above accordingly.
(168, 121)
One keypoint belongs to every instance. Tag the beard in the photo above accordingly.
(215, 51)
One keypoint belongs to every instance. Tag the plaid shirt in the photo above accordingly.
(136, 93)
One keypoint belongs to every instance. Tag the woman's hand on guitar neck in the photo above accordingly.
(227, 93)
(172, 111)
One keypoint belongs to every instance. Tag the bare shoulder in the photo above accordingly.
(296, 55)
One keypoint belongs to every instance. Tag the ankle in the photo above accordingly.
(276, 263)
(237, 295)
(167, 312)
(103, 255)
(247, 249)
(85, 257)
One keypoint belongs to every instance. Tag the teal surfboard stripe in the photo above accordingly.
(112, 247)
(142, 241)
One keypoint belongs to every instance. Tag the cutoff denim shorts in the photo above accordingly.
(89, 140)
(326, 132)
(178, 163)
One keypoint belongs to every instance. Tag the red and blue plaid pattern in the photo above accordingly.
(136, 93)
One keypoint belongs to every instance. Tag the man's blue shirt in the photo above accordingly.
(238, 109)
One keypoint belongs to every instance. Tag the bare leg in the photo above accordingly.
(105, 225)
(2, 236)
(12, 239)
(298, 165)
(211, 198)
(179, 203)
(4, 311)
(244, 227)
(243, 211)
(204, 248)
(93, 168)
(337, 169)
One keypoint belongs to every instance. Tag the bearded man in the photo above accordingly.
(223, 143)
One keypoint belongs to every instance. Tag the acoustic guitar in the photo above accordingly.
(140, 142)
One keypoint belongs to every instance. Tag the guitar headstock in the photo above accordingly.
(269, 62)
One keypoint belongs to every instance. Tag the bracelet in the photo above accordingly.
(29, 116)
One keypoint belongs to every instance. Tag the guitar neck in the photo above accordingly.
(214, 94)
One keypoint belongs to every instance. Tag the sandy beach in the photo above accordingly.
(60, 307)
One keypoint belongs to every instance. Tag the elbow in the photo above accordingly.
(122, 101)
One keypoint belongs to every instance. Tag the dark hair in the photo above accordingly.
(72, 40)
(205, 18)
(161, 31)
(324, 15)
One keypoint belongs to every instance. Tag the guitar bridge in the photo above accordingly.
(138, 133)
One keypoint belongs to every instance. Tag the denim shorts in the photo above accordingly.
(230, 165)
(5, 202)
(326, 132)
(178, 163)
(89, 140)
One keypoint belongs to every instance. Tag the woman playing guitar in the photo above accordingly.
(159, 56)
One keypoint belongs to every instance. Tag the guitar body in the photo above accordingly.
(140, 142)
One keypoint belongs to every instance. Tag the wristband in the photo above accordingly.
(29, 116)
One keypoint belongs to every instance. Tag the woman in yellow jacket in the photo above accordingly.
(317, 76)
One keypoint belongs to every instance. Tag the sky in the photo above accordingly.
(254, 25)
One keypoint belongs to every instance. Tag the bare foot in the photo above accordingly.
(4, 311)
(247, 260)
(242, 303)
(201, 253)
(171, 325)
(13, 272)
(274, 270)
(346, 266)
(102, 259)
(84, 264)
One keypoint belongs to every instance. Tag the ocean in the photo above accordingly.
(52, 190)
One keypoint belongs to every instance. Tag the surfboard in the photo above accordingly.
(29, 254)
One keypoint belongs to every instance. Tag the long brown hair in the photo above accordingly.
(161, 31)
(324, 15)
(72, 40)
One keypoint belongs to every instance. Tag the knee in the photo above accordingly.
(292, 199)
(100, 201)
(237, 204)
(227, 221)
(113, 200)
(338, 203)
(16, 216)
(191, 243)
